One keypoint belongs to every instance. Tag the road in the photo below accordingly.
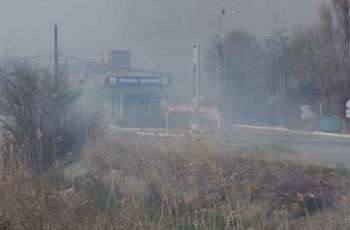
(318, 148)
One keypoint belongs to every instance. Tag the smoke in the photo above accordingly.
(154, 28)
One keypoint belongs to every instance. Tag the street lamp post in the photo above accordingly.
(218, 73)
(219, 68)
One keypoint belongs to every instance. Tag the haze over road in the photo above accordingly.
(317, 148)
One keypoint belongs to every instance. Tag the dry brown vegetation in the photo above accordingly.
(178, 183)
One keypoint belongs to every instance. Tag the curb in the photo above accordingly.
(294, 131)
(263, 127)
(331, 134)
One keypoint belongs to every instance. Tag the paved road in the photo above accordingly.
(317, 148)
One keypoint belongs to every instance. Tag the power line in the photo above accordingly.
(118, 68)
(37, 58)
(175, 54)
(111, 67)
(183, 53)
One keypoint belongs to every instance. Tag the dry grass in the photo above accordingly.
(30, 204)
(180, 183)
(199, 186)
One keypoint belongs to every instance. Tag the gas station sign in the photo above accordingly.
(138, 81)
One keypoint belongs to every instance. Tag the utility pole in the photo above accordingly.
(197, 62)
(279, 97)
(277, 106)
(280, 101)
(283, 116)
(347, 53)
(56, 53)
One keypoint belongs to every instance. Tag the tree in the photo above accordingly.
(321, 55)
(35, 107)
(276, 58)
(242, 66)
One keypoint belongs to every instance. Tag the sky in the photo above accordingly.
(160, 33)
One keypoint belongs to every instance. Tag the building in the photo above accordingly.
(129, 98)
(136, 100)
(117, 58)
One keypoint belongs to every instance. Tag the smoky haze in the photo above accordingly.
(158, 32)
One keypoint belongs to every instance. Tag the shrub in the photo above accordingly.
(37, 112)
